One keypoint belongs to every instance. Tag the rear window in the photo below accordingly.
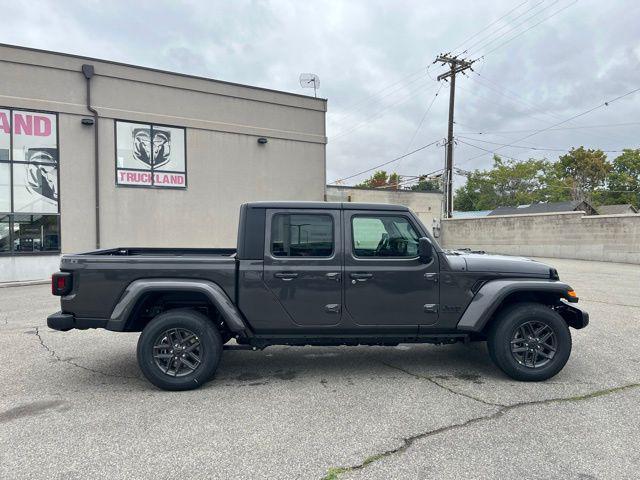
(302, 235)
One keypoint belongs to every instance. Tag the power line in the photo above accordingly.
(581, 114)
(488, 26)
(386, 163)
(527, 147)
(532, 26)
(607, 125)
(413, 137)
(373, 117)
(483, 42)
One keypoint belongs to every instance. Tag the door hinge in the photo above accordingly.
(332, 308)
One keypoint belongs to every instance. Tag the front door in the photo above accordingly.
(385, 282)
(303, 264)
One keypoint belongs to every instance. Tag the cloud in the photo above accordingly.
(575, 60)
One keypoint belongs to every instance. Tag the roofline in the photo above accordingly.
(390, 189)
(157, 70)
(310, 205)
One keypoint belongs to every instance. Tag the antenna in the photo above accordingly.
(309, 80)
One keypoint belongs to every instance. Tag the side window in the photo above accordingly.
(298, 235)
(384, 236)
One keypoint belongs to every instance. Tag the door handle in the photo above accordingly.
(361, 277)
(431, 277)
(335, 276)
(286, 276)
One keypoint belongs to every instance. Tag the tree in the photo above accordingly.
(380, 179)
(508, 183)
(426, 184)
(623, 181)
(581, 172)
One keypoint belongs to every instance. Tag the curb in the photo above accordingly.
(25, 283)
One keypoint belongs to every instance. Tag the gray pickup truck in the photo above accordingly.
(316, 273)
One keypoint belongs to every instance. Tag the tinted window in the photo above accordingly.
(295, 235)
(384, 236)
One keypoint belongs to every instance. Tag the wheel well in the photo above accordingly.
(544, 298)
(152, 304)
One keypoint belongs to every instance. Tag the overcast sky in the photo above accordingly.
(372, 59)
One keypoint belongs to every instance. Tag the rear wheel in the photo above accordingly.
(529, 342)
(179, 350)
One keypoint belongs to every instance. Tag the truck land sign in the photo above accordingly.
(150, 155)
(160, 179)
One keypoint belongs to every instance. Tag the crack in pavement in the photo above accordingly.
(443, 386)
(334, 472)
(60, 359)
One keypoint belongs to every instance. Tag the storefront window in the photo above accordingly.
(150, 155)
(29, 194)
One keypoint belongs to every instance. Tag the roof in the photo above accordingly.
(616, 209)
(158, 70)
(551, 207)
(470, 214)
(328, 205)
(383, 189)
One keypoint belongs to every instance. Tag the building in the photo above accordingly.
(427, 205)
(622, 209)
(551, 207)
(99, 154)
(470, 213)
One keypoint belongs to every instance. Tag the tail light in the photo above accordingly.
(61, 283)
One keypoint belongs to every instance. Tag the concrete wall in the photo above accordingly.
(610, 238)
(225, 164)
(426, 205)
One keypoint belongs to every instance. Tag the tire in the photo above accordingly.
(199, 346)
(515, 347)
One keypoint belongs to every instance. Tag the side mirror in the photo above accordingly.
(425, 250)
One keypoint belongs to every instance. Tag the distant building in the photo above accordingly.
(622, 209)
(551, 207)
(427, 205)
(470, 214)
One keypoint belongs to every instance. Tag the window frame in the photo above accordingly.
(11, 214)
(151, 169)
(269, 241)
(374, 258)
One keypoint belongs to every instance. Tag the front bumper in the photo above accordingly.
(574, 316)
(67, 321)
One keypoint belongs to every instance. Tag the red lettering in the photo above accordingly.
(42, 126)
(23, 124)
(4, 123)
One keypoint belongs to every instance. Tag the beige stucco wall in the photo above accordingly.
(225, 164)
(427, 206)
(612, 238)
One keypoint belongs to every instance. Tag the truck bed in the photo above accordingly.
(102, 275)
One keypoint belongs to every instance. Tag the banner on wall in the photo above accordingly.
(150, 155)
(33, 139)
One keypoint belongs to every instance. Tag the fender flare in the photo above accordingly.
(136, 289)
(492, 294)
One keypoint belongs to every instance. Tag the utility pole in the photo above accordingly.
(456, 65)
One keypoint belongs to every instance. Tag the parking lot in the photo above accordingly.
(75, 405)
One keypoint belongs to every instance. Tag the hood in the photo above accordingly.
(482, 262)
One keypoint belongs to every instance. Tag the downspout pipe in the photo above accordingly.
(88, 73)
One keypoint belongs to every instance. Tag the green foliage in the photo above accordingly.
(426, 185)
(508, 183)
(380, 178)
(580, 174)
(623, 182)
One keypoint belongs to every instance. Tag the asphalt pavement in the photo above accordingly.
(75, 405)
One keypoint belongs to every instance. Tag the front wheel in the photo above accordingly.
(529, 342)
(179, 350)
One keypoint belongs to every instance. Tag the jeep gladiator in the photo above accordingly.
(318, 273)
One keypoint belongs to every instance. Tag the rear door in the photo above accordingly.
(303, 264)
(385, 283)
